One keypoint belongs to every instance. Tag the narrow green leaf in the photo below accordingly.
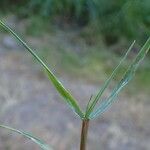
(71, 101)
(106, 84)
(88, 104)
(129, 74)
(39, 142)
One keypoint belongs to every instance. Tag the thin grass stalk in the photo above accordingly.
(84, 134)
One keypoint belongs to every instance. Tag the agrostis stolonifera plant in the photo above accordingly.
(93, 108)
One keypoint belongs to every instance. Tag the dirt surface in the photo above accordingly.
(30, 103)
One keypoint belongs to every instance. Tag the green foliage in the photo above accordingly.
(111, 18)
(29, 136)
(37, 26)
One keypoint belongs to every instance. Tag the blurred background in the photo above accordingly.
(82, 41)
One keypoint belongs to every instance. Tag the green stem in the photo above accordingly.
(84, 134)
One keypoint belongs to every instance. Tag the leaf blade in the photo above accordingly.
(39, 142)
(99, 94)
(129, 74)
(69, 99)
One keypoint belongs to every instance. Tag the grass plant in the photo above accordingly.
(93, 108)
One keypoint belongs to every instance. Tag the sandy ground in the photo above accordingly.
(30, 103)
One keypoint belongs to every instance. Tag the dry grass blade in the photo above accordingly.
(71, 101)
(39, 142)
(125, 80)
